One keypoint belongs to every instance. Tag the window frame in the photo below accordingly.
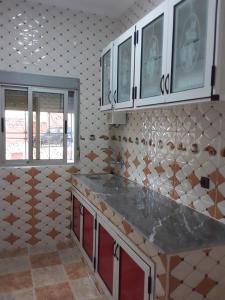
(39, 162)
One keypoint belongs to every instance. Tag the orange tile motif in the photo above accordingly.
(91, 155)
(136, 162)
(53, 176)
(11, 219)
(11, 178)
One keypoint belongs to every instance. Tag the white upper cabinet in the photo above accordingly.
(107, 78)
(150, 57)
(123, 69)
(173, 54)
(191, 40)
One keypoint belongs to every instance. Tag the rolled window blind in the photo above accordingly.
(16, 100)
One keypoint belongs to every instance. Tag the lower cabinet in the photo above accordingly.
(88, 231)
(121, 272)
(83, 227)
(105, 257)
(76, 217)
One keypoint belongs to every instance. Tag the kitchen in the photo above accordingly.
(112, 162)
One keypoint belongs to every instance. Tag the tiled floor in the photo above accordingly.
(56, 273)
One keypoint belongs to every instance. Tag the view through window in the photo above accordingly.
(39, 128)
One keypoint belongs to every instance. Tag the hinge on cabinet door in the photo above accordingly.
(213, 76)
(213, 82)
(149, 285)
(2, 125)
(136, 37)
(135, 92)
(95, 224)
(100, 62)
(100, 101)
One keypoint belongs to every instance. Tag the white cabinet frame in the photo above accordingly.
(120, 239)
(130, 33)
(89, 207)
(119, 243)
(108, 106)
(161, 10)
(206, 90)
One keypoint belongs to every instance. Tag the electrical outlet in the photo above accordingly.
(205, 183)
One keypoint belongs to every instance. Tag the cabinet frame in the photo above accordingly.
(206, 90)
(130, 33)
(161, 10)
(91, 210)
(120, 243)
(123, 241)
(105, 107)
(213, 88)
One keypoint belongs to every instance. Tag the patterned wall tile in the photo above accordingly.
(182, 143)
(41, 39)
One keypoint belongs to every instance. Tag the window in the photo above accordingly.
(38, 125)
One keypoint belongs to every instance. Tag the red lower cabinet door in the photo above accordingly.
(105, 257)
(88, 232)
(131, 278)
(76, 217)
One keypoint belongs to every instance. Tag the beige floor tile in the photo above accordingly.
(19, 295)
(76, 270)
(14, 253)
(65, 245)
(14, 264)
(45, 260)
(15, 281)
(40, 249)
(48, 275)
(70, 255)
(60, 291)
(84, 289)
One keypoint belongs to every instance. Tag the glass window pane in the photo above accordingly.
(48, 125)
(16, 124)
(151, 64)
(71, 128)
(189, 49)
(106, 69)
(124, 71)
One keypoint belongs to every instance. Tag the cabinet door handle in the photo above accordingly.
(114, 96)
(167, 83)
(109, 94)
(115, 251)
(162, 84)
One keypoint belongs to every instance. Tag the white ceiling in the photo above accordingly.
(113, 8)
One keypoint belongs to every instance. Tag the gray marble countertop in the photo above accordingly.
(171, 227)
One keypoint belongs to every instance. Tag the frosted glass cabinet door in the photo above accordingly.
(151, 63)
(107, 77)
(190, 42)
(124, 71)
(106, 74)
(151, 56)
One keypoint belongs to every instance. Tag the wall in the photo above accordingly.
(169, 149)
(40, 39)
